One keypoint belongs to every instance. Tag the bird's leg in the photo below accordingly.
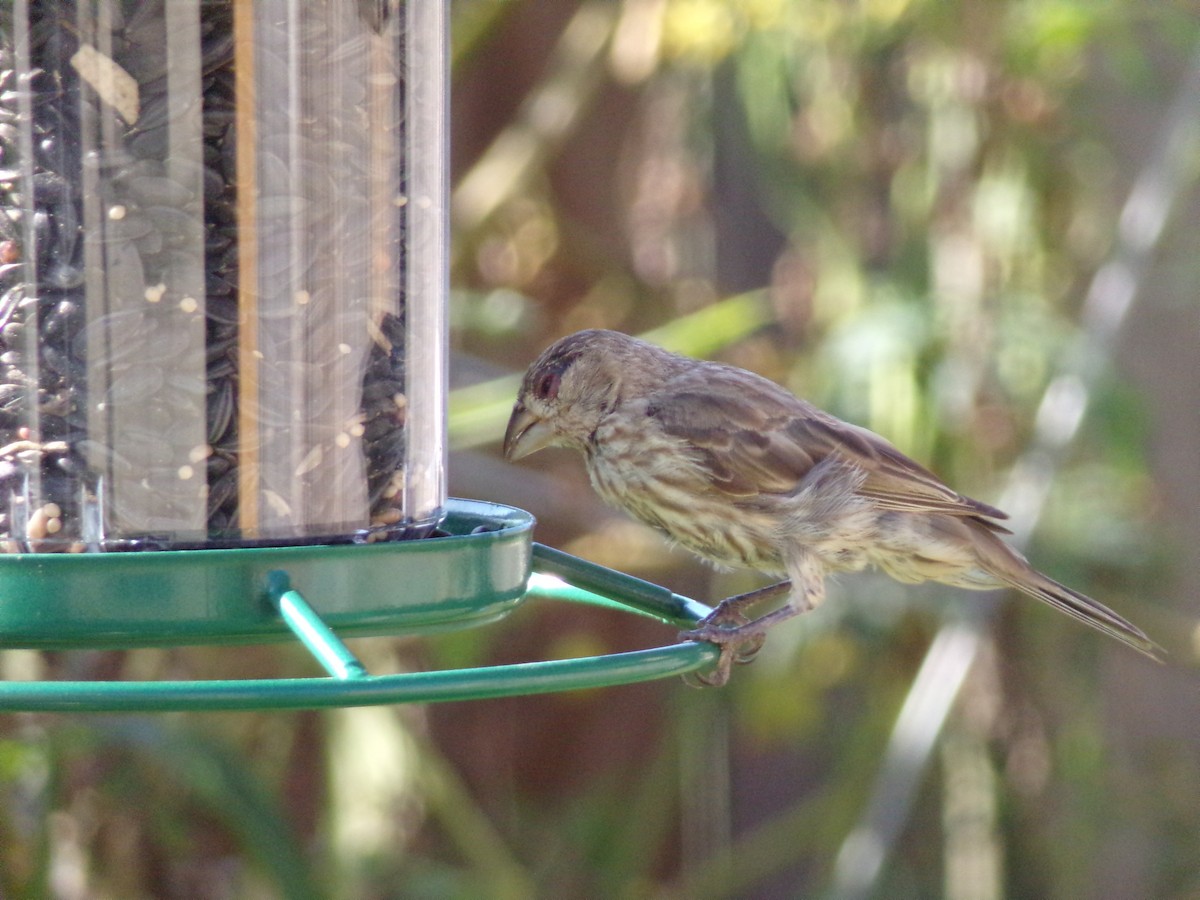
(741, 637)
(729, 610)
(726, 618)
(725, 621)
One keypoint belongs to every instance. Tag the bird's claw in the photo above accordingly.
(733, 634)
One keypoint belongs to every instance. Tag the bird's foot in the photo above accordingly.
(738, 637)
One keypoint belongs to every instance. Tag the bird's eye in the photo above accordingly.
(545, 386)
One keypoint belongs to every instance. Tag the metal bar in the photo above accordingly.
(318, 637)
(352, 686)
(632, 593)
(373, 690)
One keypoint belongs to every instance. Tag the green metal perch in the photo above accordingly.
(477, 573)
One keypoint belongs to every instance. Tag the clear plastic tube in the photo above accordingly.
(222, 272)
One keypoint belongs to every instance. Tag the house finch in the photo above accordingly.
(743, 473)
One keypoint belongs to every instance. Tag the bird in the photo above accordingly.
(738, 470)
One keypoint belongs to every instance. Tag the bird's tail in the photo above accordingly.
(1010, 568)
(1086, 610)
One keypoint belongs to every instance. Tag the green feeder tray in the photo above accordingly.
(477, 573)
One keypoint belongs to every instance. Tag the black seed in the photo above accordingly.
(221, 404)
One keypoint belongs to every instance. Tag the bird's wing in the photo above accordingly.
(895, 481)
(753, 437)
(732, 423)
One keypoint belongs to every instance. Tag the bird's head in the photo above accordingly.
(574, 384)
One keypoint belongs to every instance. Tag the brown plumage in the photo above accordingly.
(743, 473)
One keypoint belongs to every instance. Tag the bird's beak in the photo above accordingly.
(526, 433)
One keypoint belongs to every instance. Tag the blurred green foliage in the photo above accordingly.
(894, 207)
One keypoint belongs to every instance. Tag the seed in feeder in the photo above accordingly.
(379, 337)
(185, 472)
(394, 486)
(53, 525)
(387, 517)
(52, 510)
(189, 304)
(112, 84)
(16, 448)
(310, 461)
(400, 400)
(36, 528)
(277, 503)
(137, 197)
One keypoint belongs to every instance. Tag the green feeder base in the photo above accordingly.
(476, 574)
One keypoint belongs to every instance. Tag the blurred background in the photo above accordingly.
(969, 225)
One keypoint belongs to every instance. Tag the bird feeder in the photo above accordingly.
(223, 353)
